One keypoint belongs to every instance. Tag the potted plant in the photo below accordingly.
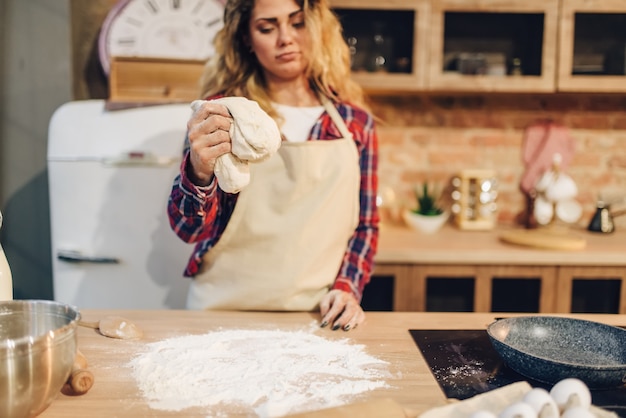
(429, 216)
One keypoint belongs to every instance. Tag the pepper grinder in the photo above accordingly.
(6, 280)
(602, 220)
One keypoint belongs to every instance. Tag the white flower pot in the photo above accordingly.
(426, 224)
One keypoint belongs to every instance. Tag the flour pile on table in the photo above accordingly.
(266, 373)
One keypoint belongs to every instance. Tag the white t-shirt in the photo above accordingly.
(298, 121)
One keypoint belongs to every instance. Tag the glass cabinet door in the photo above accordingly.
(387, 41)
(592, 50)
(491, 45)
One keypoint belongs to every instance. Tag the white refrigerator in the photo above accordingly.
(110, 174)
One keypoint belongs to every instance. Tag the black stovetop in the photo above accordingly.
(465, 364)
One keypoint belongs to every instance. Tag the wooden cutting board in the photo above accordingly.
(548, 239)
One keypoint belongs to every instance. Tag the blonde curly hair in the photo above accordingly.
(235, 71)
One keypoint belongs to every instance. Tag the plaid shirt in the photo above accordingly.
(200, 214)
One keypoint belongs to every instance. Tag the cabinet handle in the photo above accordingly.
(77, 257)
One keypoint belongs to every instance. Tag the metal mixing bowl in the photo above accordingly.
(37, 349)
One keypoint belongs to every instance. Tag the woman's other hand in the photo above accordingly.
(209, 138)
(340, 309)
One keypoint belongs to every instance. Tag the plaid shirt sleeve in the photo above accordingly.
(200, 214)
(357, 265)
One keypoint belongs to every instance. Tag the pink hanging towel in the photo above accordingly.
(542, 140)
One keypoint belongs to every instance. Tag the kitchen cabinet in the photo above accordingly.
(493, 45)
(592, 46)
(513, 46)
(388, 42)
(480, 257)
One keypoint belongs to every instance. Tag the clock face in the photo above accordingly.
(176, 29)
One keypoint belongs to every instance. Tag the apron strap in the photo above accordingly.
(336, 117)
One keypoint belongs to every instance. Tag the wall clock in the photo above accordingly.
(174, 29)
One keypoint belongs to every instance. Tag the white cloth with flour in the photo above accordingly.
(254, 136)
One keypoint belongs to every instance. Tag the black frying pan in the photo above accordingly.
(549, 349)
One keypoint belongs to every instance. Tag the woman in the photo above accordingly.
(303, 233)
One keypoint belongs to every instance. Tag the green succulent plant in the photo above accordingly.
(427, 201)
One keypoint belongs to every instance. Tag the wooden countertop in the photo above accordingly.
(384, 334)
(450, 245)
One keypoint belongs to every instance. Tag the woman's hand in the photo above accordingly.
(209, 138)
(341, 310)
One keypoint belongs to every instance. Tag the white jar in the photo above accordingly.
(6, 280)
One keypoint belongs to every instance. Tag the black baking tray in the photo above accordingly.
(465, 364)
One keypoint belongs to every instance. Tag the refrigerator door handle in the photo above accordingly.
(140, 158)
(76, 257)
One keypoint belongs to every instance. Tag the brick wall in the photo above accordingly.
(434, 137)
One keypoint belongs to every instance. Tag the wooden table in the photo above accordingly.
(384, 334)
(452, 253)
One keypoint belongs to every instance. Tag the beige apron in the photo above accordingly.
(284, 254)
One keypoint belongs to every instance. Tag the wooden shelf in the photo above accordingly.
(152, 80)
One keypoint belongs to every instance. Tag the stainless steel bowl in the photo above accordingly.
(37, 349)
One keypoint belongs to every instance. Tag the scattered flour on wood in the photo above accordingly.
(264, 373)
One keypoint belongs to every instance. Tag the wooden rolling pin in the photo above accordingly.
(81, 379)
